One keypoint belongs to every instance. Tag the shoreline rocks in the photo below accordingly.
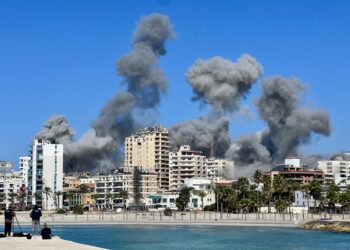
(333, 226)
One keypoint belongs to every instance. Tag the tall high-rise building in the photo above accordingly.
(24, 168)
(148, 150)
(185, 164)
(45, 170)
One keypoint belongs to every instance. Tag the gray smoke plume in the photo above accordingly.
(139, 68)
(221, 83)
(56, 129)
(289, 125)
(203, 134)
(100, 146)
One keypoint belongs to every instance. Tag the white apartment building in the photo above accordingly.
(8, 185)
(149, 151)
(185, 164)
(336, 170)
(164, 200)
(6, 168)
(24, 168)
(202, 184)
(219, 168)
(45, 170)
(111, 185)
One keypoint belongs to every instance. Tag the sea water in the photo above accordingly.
(199, 237)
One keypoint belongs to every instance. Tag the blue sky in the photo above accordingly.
(58, 57)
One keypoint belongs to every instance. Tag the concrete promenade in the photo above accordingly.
(23, 243)
(201, 218)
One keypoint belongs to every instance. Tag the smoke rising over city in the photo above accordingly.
(218, 83)
(100, 146)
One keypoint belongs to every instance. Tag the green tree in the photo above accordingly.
(12, 198)
(267, 190)
(280, 205)
(332, 195)
(292, 186)
(344, 199)
(242, 186)
(22, 198)
(58, 194)
(279, 185)
(306, 190)
(47, 192)
(315, 191)
(109, 197)
(257, 176)
(184, 198)
(124, 195)
(202, 195)
(2, 199)
(38, 196)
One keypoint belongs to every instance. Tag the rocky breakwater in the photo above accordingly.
(334, 226)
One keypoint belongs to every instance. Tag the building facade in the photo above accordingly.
(185, 164)
(219, 168)
(337, 171)
(45, 170)
(149, 151)
(24, 168)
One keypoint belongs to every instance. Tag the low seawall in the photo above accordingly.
(334, 226)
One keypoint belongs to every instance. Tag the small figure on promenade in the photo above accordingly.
(35, 214)
(46, 232)
(9, 215)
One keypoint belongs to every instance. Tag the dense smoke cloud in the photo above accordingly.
(289, 125)
(139, 68)
(220, 83)
(203, 134)
(99, 147)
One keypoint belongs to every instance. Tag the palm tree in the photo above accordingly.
(58, 194)
(47, 192)
(38, 196)
(257, 176)
(124, 195)
(12, 198)
(109, 197)
(201, 194)
(279, 185)
(22, 198)
(2, 198)
(267, 190)
(242, 186)
(332, 195)
(306, 190)
(316, 191)
(292, 186)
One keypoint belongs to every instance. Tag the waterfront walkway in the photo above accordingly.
(20, 243)
(208, 218)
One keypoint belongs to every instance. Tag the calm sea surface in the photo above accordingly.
(200, 237)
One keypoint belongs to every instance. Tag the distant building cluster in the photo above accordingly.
(151, 176)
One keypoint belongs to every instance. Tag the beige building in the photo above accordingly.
(71, 182)
(185, 164)
(148, 149)
(219, 168)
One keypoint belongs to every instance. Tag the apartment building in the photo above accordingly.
(108, 188)
(11, 185)
(24, 168)
(293, 170)
(148, 150)
(6, 168)
(219, 168)
(184, 164)
(45, 170)
(337, 171)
